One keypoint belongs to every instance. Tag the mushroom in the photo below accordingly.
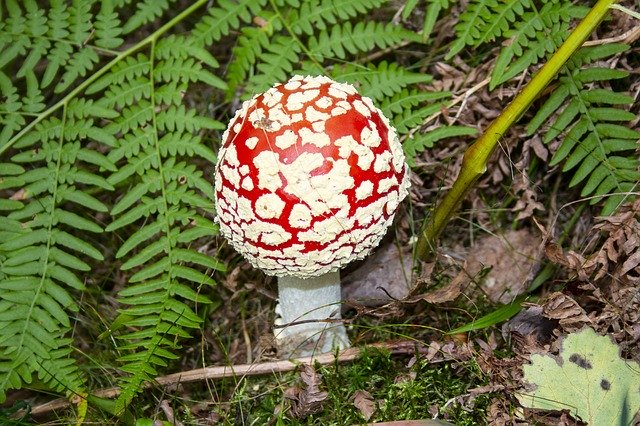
(308, 178)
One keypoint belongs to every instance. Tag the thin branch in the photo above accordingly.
(245, 370)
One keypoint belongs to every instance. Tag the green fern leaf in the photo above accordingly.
(319, 14)
(474, 17)
(381, 81)
(224, 17)
(594, 144)
(147, 11)
(359, 38)
(421, 141)
(107, 27)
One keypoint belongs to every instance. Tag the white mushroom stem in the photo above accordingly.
(313, 305)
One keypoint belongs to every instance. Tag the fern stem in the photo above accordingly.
(99, 73)
(474, 163)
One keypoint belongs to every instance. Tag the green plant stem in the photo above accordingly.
(474, 163)
(95, 76)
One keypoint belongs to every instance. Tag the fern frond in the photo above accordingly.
(277, 61)
(320, 30)
(42, 256)
(476, 15)
(347, 38)
(147, 11)
(224, 17)
(107, 27)
(532, 31)
(320, 14)
(599, 150)
(158, 141)
(534, 35)
(380, 81)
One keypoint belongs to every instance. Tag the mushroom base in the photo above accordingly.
(309, 317)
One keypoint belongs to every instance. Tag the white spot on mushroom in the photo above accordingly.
(268, 166)
(392, 203)
(318, 126)
(349, 145)
(369, 103)
(244, 169)
(300, 216)
(286, 139)
(318, 139)
(323, 231)
(344, 104)
(338, 111)
(385, 184)
(272, 97)
(297, 100)
(382, 162)
(315, 82)
(337, 93)
(361, 108)
(293, 84)
(231, 174)
(312, 114)
(324, 102)
(271, 233)
(247, 183)
(269, 206)
(364, 190)
(230, 156)
(278, 118)
(251, 142)
(369, 137)
(244, 209)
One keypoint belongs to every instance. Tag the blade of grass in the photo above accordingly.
(503, 313)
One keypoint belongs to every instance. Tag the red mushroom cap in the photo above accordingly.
(309, 177)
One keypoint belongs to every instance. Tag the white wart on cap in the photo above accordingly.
(309, 177)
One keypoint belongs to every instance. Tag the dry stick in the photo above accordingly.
(475, 159)
(243, 370)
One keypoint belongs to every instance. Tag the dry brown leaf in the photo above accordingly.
(567, 311)
(365, 403)
(443, 294)
(511, 259)
(385, 276)
(307, 399)
(530, 323)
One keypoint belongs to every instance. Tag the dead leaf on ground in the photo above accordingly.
(568, 312)
(307, 399)
(443, 294)
(512, 260)
(532, 327)
(365, 403)
(384, 277)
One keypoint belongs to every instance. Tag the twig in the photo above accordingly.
(244, 370)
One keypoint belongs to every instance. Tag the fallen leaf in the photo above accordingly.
(383, 277)
(588, 378)
(510, 261)
(568, 312)
(307, 399)
(364, 402)
(444, 294)
(532, 325)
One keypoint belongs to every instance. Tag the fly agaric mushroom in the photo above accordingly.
(308, 179)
